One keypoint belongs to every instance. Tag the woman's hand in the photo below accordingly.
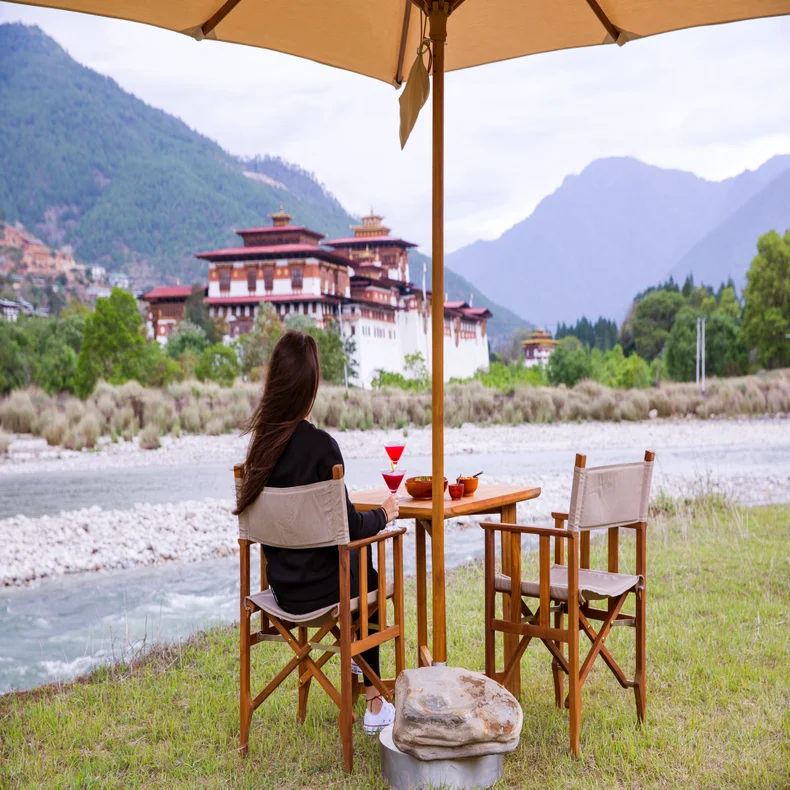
(390, 508)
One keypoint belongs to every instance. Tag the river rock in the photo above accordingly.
(448, 712)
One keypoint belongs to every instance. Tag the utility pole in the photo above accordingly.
(700, 360)
(696, 357)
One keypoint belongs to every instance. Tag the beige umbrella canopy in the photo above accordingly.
(380, 38)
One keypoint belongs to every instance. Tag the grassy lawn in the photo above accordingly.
(718, 690)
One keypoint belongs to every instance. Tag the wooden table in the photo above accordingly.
(488, 499)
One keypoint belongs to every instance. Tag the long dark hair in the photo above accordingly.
(288, 397)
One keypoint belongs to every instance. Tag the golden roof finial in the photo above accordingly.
(280, 218)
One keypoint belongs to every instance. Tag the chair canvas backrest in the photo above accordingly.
(300, 517)
(610, 496)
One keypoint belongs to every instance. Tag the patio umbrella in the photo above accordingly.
(378, 38)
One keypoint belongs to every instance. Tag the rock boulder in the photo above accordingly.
(447, 712)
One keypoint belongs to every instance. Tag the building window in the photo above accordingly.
(252, 280)
(297, 275)
(268, 278)
(337, 290)
(224, 279)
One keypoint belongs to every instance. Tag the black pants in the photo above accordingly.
(371, 656)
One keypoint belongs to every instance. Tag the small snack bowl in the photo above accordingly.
(421, 487)
(470, 484)
(456, 490)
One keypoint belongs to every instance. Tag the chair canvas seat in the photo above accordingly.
(593, 585)
(266, 601)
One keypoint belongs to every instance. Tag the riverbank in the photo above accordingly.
(170, 719)
(28, 454)
(113, 414)
(746, 460)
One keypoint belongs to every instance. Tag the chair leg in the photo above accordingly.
(574, 685)
(639, 675)
(304, 685)
(245, 702)
(559, 675)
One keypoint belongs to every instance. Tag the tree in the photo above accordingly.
(330, 353)
(255, 348)
(653, 320)
(569, 363)
(196, 313)
(187, 337)
(113, 347)
(681, 348)
(726, 353)
(728, 302)
(218, 363)
(766, 312)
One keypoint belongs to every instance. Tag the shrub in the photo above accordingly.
(106, 405)
(5, 441)
(17, 413)
(190, 419)
(149, 437)
(124, 420)
(55, 427)
(215, 426)
(74, 409)
(72, 440)
(89, 429)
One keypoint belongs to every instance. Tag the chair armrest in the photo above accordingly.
(383, 535)
(549, 532)
(560, 516)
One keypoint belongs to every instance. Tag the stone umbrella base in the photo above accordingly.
(404, 772)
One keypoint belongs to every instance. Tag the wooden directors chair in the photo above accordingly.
(303, 517)
(606, 497)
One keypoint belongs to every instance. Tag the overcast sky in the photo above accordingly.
(714, 101)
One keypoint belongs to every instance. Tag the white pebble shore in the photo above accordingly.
(94, 539)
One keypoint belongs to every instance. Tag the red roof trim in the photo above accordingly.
(168, 292)
(361, 241)
(274, 251)
(282, 229)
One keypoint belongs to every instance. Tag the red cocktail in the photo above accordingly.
(395, 451)
(393, 478)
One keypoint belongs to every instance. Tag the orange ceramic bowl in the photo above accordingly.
(421, 487)
(470, 484)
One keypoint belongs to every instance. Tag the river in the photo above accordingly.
(64, 627)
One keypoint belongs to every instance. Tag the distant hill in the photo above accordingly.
(620, 226)
(729, 248)
(84, 163)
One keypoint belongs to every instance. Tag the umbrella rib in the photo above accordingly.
(604, 20)
(403, 36)
(227, 7)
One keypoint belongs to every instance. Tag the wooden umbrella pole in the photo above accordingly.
(438, 34)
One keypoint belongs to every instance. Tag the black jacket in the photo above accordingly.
(307, 579)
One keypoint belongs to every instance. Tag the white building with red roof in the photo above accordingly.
(359, 285)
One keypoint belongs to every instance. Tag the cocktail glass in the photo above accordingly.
(395, 451)
(393, 478)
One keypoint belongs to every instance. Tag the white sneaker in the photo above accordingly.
(375, 722)
(355, 670)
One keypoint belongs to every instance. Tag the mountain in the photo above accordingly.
(620, 226)
(84, 163)
(729, 248)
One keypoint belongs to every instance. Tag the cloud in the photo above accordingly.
(708, 100)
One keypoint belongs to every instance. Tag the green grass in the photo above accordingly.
(718, 689)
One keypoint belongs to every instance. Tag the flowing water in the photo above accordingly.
(64, 627)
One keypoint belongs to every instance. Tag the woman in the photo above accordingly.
(286, 450)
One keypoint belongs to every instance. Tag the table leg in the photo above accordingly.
(422, 592)
(511, 610)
